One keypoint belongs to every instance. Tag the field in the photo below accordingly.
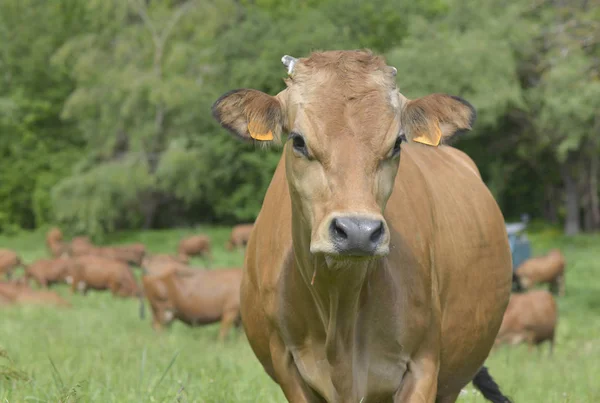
(101, 351)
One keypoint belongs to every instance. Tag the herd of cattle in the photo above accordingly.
(531, 315)
(173, 289)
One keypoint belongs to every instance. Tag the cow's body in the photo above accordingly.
(9, 261)
(195, 298)
(49, 271)
(445, 226)
(195, 245)
(530, 318)
(80, 245)
(158, 261)
(100, 273)
(379, 268)
(240, 234)
(544, 269)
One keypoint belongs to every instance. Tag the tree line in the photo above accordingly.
(105, 104)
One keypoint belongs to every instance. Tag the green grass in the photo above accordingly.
(100, 350)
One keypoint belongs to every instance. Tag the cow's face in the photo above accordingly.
(346, 122)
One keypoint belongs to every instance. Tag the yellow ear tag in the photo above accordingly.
(433, 140)
(259, 132)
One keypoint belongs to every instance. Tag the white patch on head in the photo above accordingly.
(69, 280)
(81, 285)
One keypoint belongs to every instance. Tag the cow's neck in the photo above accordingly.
(338, 292)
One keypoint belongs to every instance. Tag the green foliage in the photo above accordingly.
(96, 201)
(90, 86)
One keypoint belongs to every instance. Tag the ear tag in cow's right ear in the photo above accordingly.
(433, 140)
(259, 132)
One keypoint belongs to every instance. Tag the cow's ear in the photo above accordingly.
(437, 117)
(251, 115)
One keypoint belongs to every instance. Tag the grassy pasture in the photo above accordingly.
(100, 350)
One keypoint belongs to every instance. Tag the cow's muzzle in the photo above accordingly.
(354, 236)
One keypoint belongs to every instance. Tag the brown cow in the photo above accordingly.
(157, 264)
(55, 244)
(9, 261)
(49, 271)
(130, 254)
(543, 269)
(101, 273)
(197, 298)
(195, 245)
(530, 317)
(379, 266)
(239, 236)
(80, 245)
(21, 293)
(166, 258)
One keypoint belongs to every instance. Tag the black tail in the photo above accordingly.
(516, 284)
(484, 383)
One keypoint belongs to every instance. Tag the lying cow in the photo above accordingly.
(100, 273)
(20, 293)
(195, 245)
(55, 244)
(543, 269)
(239, 236)
(379, 266)
(197, 298)
(530, 318)
(9, 261)
(46, 272)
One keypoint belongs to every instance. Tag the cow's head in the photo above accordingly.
(346, 122)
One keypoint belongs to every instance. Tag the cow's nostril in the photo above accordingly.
(338, 230)
(377, 233)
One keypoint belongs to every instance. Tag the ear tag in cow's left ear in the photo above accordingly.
(259, 132)
(433, 140)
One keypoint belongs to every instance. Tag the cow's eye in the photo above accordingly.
(396, 149)
(299, 144)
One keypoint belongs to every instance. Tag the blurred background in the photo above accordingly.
(105, 118)
(106, 132)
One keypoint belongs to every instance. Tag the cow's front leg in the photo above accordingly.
(420, 381)
(291, 383)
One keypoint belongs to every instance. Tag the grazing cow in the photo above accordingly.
(197, 298)
(46, 272)
(239, 236)
(55, 244)
(543, 269)
(80, 245)
(195, 245)
(379, 268)
(531, 318)
(101, 273)
(20, 293)
(9, 261)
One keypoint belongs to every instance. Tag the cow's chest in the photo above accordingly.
(366, 367)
